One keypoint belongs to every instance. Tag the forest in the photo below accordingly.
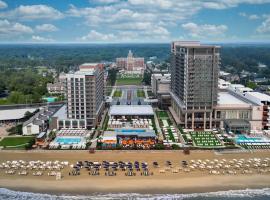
(18, 63)
(234, 57)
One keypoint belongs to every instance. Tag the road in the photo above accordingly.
(129, 95)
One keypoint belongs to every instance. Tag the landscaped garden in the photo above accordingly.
(129, 81)
(204, 139)
(140, 93)
(117, 93)
(20, 142)
(167, 127)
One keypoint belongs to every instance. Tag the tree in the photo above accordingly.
(15, 130)
(2, 86)
(251, 85)
(28, 114)
(112, 74)
(30, 144)
(147, 78)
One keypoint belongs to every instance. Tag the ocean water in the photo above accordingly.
(248, 194)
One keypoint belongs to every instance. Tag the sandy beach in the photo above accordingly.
(182, 182)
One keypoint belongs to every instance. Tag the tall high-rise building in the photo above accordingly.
(85, 94)
(194, 83)
(130, 63)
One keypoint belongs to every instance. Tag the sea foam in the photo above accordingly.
(254, 194)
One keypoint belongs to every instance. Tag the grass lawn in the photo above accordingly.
(205, 139)
(140, 93)
(15, 141)
(129, 81)
(117, 93)
(162, 115)
(171, 135)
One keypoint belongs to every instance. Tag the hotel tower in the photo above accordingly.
(194, 83)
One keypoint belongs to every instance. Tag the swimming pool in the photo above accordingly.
(50, 99)
(68, 140)
(131, 130)
(243, 138)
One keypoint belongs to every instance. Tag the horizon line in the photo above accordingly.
(114, 43)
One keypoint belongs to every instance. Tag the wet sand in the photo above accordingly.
(182, 182)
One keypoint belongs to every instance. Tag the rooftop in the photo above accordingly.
(61, 114)
(191, 44)
(14, 114)
(131, 110)
(237, 86)
(227, 99)
(258, 95)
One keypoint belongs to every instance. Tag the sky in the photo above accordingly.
(133, 21)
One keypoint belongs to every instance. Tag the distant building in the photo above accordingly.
(161, 89)
(85, 95)
(194, 84)
(130, 63)
(261, 80)
(56, 88)
(222, 84)
(229, 77)
(59, 86)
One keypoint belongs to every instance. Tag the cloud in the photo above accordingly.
(3, 4)
(164, 4)
(46, 28)
(164, 13)
(9, 29)
(251, 17)
(37, 38)
(105, 1)
(150, 34)
(94, 36)
(33, 12)
(242, 14)
(204, 30)
(224, 4)
(264, 28)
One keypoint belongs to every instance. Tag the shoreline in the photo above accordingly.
(168, 183)
(146, 187)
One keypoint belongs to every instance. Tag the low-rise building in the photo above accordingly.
(264, 101)
(233, 108)
(161, 89)
(14, 115)
(39, 122)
